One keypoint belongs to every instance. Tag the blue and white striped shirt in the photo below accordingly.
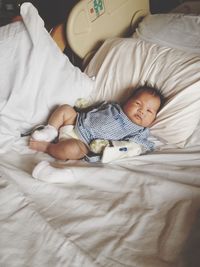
(109, 122)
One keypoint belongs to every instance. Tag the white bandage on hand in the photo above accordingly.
(121, 150)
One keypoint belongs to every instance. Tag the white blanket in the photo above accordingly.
(141, 212)
(35, 77)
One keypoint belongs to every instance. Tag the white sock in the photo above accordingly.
(48, 133)
(45, 172)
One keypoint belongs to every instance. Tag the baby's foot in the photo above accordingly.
(45, 172)
(48, 134)
(41, 146)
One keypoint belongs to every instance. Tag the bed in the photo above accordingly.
(140, 211)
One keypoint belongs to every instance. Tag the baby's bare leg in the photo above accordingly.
(39, 145)
(63, 115)
(63, 150)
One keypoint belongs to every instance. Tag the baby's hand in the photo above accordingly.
(81, 103)
(97, 146)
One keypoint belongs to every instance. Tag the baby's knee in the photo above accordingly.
(65, 108)
(68, 113)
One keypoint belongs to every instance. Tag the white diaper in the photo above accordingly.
(67, 132)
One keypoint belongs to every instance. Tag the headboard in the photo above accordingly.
(92, 21)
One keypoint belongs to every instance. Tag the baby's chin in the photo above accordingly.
(139, 123)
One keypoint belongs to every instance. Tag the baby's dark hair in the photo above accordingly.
(151, 90)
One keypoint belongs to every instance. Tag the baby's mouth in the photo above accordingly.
(138, 117)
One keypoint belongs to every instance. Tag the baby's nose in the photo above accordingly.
(141, 111)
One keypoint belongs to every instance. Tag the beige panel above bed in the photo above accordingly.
(92, 21)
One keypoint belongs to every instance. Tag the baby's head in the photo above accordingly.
(143, 105)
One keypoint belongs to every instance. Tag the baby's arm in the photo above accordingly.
(121, 150)
(114, 150)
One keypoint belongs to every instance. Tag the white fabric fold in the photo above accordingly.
(36, 75)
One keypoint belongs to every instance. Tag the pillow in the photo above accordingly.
(172, 30)
(120, 65)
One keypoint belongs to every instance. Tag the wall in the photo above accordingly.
(162, 6)
(55, 11)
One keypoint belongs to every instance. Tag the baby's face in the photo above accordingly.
(142, 109)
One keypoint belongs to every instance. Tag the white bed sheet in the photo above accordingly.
(138, 212)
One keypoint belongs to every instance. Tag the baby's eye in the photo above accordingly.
(150, 111)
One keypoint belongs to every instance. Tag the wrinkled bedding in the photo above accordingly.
(137, 212)
(141, 212)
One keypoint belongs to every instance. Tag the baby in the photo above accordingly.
(107, 121)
